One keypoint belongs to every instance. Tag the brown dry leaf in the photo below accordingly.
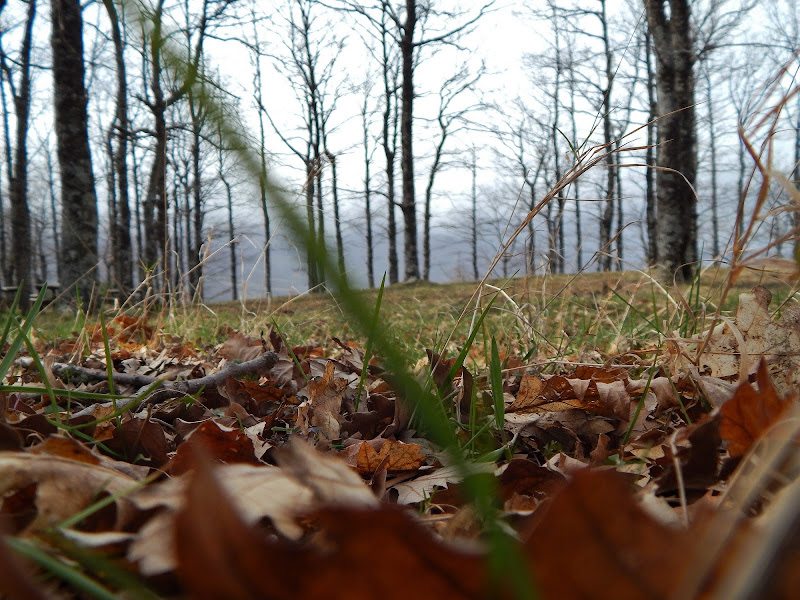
(366, 457)
(750, 413)
(557, 394)
(596, 542)
(306, 480)
(140, 437)
(226, 444)
(777, 342)
(326, 402)
(697, 449)
(66, 448)
(257, 492)
(422, 488)
(257, 398)
(331, 480)
(61, 487)
(240, 347)
(17, 579)
(523, 484)
(530, 387)
(221, 557)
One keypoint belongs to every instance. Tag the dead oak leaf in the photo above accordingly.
(366, 457)
(325, 398)
(240, 347)
(61, 487)
(305, 481)
(595, 541)
(735, 347)
(423, 487)
(219, 556)
(255, 491)
(225, 444)
(559, 393)
(750, 413)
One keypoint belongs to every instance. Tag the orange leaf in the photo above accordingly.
(750, 413)
(222, 443)
(368, 456)
(595, 542)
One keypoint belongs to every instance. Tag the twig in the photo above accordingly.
(65, 370)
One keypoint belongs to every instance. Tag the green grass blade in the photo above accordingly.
(23, 332)
(79, 581)
(369, 344)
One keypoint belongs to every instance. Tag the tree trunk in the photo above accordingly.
(650, 189)
(676, 229)
(367, 190)
(389, 149)
(796, 213)
(552, 227)
(78, 200)
(426, 222)
(154, 209)
(121, 225)
(576, 185)
(311, 265)
(198, 212)
(608, 210)
(712, 142)
(408, 204)
(262, 188)
(18, 193)
(231, 228)
(474, 214)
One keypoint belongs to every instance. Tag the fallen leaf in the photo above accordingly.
(595, 541)
(422, 488)
(331, 480)
(777, 342)
(750, 413)
(219, 556)
(325, 398)
(63, 487)
(226, 444)
(366, 457)
(240, 347)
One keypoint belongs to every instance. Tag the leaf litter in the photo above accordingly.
(253, 471)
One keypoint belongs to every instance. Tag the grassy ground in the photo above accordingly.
(578, 318)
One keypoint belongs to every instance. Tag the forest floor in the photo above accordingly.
(554, 437)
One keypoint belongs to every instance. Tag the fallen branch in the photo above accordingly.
(260, 364)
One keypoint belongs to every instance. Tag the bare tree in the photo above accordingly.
(258, 90)
(158, 100)
(680, 39)
(18, 175)
(676, 203)
(78, 201)
(413, 27)
(369, 154)
(448, 117)
(120, 216)
(650, 184)
(309, 65)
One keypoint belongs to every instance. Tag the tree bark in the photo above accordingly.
(650, 187)
(676, 204)
(78, 199)
(608, 209)
(390, 151)
(18, 192)
(121, 225)
(367, 187)
(408, 204)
